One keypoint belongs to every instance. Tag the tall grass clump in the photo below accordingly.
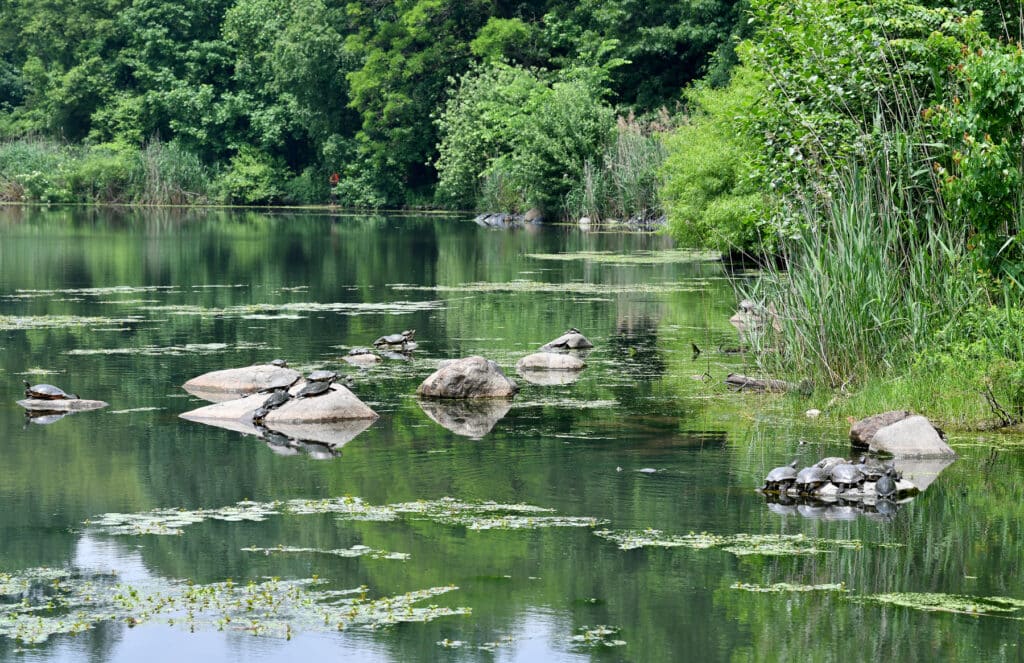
(167, 174)
(623, 182)
(866, 286)
(34, 168)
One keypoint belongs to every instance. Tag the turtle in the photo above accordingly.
(276, 399)
(870, 468)
(810, 478)
(828, 463)
(314, 388)
(780, 478)
(259, 414)
(47, 392)
(322, 376)
(885, 487)
(396, 339)
(847, 476)
(355, 352)
(572, 339)
(280, 363)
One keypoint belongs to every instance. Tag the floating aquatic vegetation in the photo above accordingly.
(290, 309)
(19, 322)
(67, 602)
(501, 642)
(782, 587)
(354, 551)
(451, 644)
(737, 544)
(967, 605)
(39, 371)
(171, 521)
(172, 350)
(446, 511)
(598, 636)
(111, 290)
(665, 257)
(562, 288)
(135, 409)
(570, 403)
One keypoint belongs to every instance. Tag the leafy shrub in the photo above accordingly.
(252, 177)
(711, 192)
(101, 174)
(311, 187)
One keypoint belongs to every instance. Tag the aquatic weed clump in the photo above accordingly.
(737, 544)
(54, 602)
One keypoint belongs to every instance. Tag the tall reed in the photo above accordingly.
(863, 288)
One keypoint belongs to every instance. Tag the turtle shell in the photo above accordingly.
(280, 363)
(810, 478)
(47, 392)
(780, 476)
(322, 376)
(885, 487)
(871, 469)
(259, 414)
(359, 351)
(828, 463)
(391, 339)
(314, 389)
(847, 476)
(276, 399)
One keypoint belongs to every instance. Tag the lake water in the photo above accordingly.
(125, 307)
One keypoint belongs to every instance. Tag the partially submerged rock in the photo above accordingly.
(570, 340)
(862, 431)
(545, 378)
(61, 405)
(231, 383)
(473, 419)
(550, 361)
(471, 377)
(338, 404)
(913, 437)
(362, 357)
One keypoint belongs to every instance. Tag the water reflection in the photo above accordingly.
(473, 418)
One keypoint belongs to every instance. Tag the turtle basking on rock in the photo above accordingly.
(810, 479)
(780, 478)
(317, 382)
(885, 487)
(847, 476)
(403, 339)
(47, 392)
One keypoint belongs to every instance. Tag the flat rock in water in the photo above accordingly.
(235, 382)
(550, 361)
(363, 359)
(862, 431)
(61, 405)
(337, 404)
(568, 341)
(471, 377)
(913, 437)
(236, 410)
(473, 419)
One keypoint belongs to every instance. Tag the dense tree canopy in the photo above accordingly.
(310, 87)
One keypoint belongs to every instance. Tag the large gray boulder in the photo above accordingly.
(912, 437)
(550, 361)
(231, 383)
(473, 419)
(471, 377)
(862, 431)
(338, 404)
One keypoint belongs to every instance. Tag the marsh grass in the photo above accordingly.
(863, 289)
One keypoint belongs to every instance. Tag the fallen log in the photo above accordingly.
(739, 382)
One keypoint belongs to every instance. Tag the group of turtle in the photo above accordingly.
(844, 476)
(317, 383)
(393, 346)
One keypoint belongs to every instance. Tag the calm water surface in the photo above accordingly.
(126, 307)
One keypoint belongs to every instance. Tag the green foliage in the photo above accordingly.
(167, 174)
(253, 177)
(310, 187)
(524, 137)
(711, 192)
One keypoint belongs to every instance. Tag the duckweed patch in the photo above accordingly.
(562, 288)
(65, 602)
(354, 551)
(737, 544)
(664, 257)
(598, 636)
(289, 310)
(954, 603)
(784, 587)
(171, 521)
(105, 291)
(475, 516)
(25, 322)
(173, 350)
